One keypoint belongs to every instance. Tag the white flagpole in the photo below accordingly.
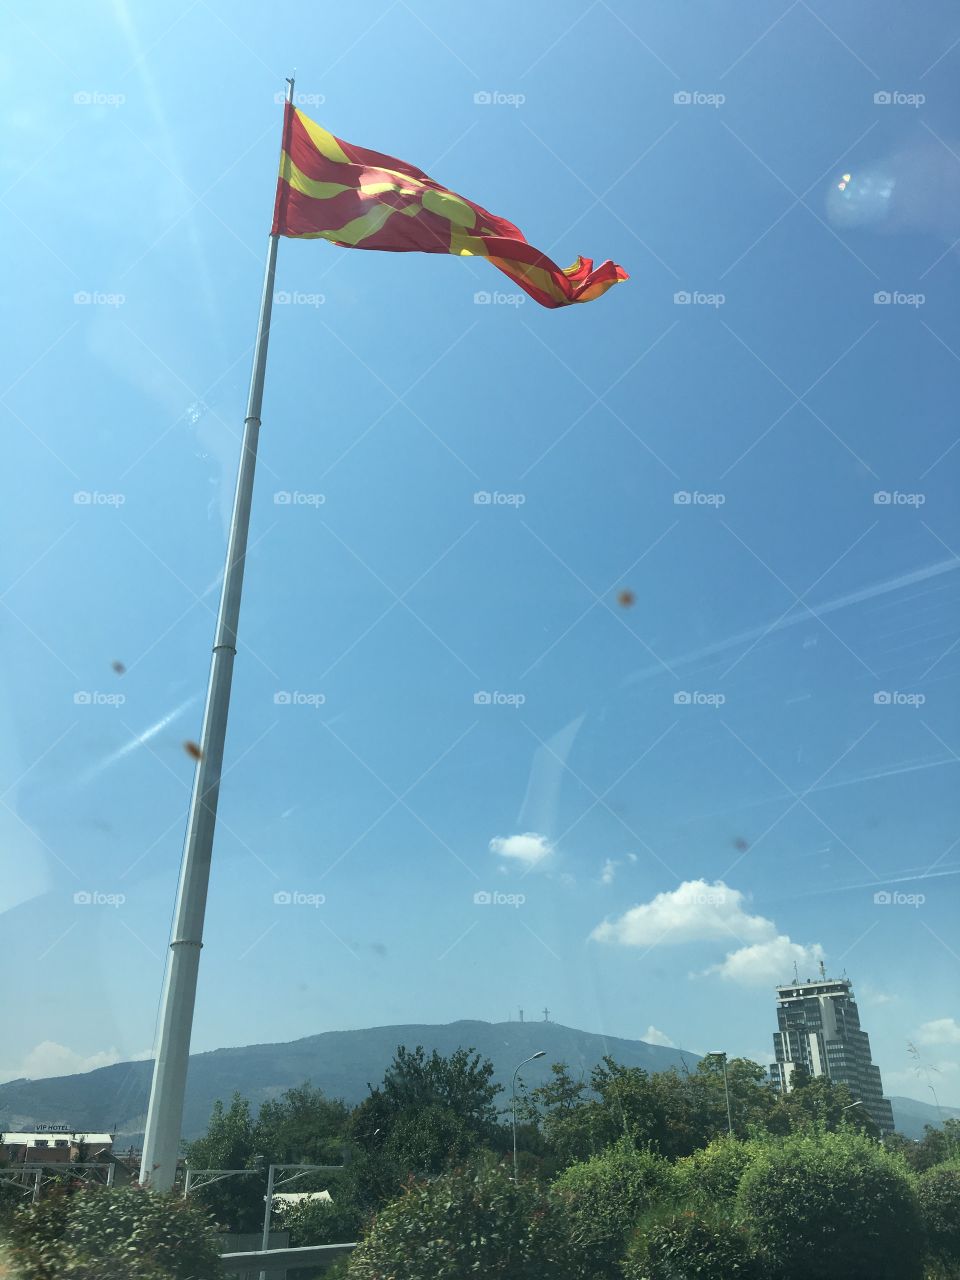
(161, 1142)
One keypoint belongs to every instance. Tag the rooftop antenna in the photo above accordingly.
(823, 972)
(796, 973)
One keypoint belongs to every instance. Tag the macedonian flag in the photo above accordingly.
(332, 190)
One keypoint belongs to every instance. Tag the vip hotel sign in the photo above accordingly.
(53, 1128)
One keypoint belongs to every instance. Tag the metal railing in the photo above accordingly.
(276, 1262)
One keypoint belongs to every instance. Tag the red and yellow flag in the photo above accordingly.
(359, 199)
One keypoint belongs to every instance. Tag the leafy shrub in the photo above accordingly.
(321, 1222)
(833, 1206)
(473, 1221)
(145, 1229)
(604, 1198)
(710, 1177)
(125, 1233)
(684, 1245)
(938, 1190)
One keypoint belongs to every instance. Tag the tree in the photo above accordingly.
(428, 1114)
(230, 1143)
(303, 1126)
(817, 1103)
(569, 1123)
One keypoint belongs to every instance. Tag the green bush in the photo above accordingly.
(321, 1222)
(710, 1177)
(125, 1233)
(603, 1199)
(833, 1206)
(473, 1221)
(684, 1245)
(938, 1190)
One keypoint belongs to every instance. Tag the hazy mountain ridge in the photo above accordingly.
(341, 1063)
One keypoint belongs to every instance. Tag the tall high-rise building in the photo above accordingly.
(819, 1027)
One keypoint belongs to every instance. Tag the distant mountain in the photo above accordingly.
(910, 1116)
(341, 1063)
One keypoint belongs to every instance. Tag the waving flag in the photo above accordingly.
(359, 199)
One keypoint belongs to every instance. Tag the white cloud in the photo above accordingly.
(694, 912)
(609, 871)
(51, 1059)
(767, 963)
(529, 849)
(653, 1035)
(940, 1031)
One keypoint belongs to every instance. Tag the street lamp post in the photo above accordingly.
(541, 1053)
(726, 1089)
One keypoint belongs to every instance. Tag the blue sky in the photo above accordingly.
(688, 792)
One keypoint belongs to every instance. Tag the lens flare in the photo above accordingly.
(862, 199)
